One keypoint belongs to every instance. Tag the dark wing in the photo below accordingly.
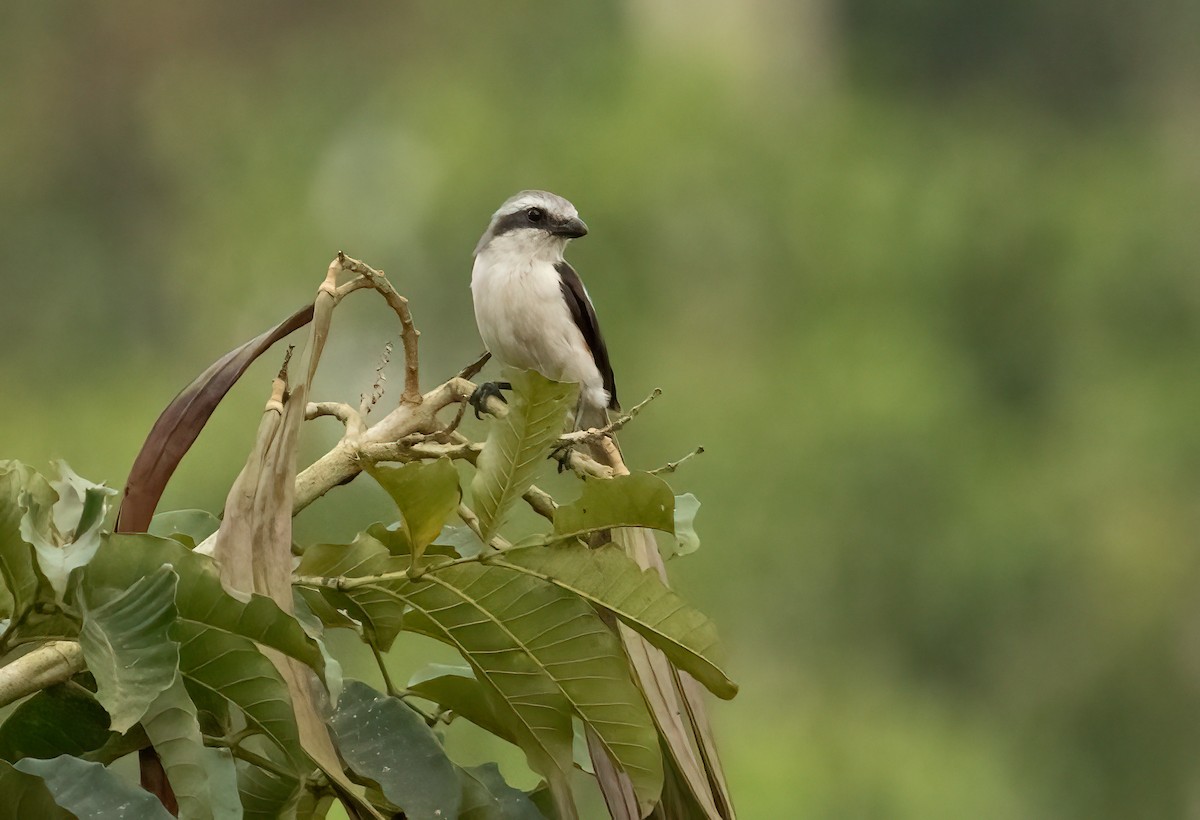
(585, 319)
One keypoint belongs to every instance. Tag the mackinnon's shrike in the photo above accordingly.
(531, 306)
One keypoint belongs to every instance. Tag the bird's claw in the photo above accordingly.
(485, 391)
(562, 454)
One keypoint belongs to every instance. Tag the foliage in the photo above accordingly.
(178, 662)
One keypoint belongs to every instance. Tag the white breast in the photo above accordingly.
(524, 321)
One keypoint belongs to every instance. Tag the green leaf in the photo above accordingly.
(64, 719)
(487, 797)
(225, 667)
(266, 795)
(546, 653)
(426, 492)
(686, 539)
(610, 579)
(462, 540)
(128, 649)
(385, 740)
(636, 500)
(200, 598)
(517, 445)
(65, 534)
(188, 527)
(16, 555)
(379, 614)
(26, 796)
(455, 688)
(173, 729)
(90, 790)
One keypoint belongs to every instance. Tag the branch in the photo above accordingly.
(672, 466)
(597, 433)
(51, 663)
(408, 331)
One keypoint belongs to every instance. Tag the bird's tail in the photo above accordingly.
(695, 784)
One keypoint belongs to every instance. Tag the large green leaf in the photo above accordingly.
(455, 688)
(610, 579)
(16, 555)
(200, 598)
(426, 492)
(487, 797)
(25, 796)
(385, 740)
(64, 719)
(547, 654)
(379, 613)
(636, 500)
(173, 729)
(90, 790)
(225, 667)
(127, 646)
(517, 445)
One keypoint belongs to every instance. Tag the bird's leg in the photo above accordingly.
(487, 390)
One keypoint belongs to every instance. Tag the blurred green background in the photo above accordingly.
(921, 276)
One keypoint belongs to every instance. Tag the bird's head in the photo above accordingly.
(536, 221)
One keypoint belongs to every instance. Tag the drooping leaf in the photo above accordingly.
(686, 539)
(229, 668)
(183, 419)
(90, 790)
(636, 500)
(188, 527)
(455, 688)
(426, 492)
(486, 796)
(16, 555)
(63, 719)
(200, 598)
(173, 729)
(385, 740)
(517, 445)
(128, 648)
(610, 579)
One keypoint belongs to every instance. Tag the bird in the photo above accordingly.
(533, 310)
(534, 313)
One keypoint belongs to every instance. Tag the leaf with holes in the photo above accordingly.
(517, 445)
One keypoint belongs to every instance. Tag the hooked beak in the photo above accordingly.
(572, 228)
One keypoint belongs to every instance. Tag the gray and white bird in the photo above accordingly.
(531, 306)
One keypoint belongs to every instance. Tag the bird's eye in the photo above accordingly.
(535, 214)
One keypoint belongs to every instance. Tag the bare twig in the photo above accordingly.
(408, 331)
(597, 433)
(347, 415)
(672, 466)
(472, 370)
